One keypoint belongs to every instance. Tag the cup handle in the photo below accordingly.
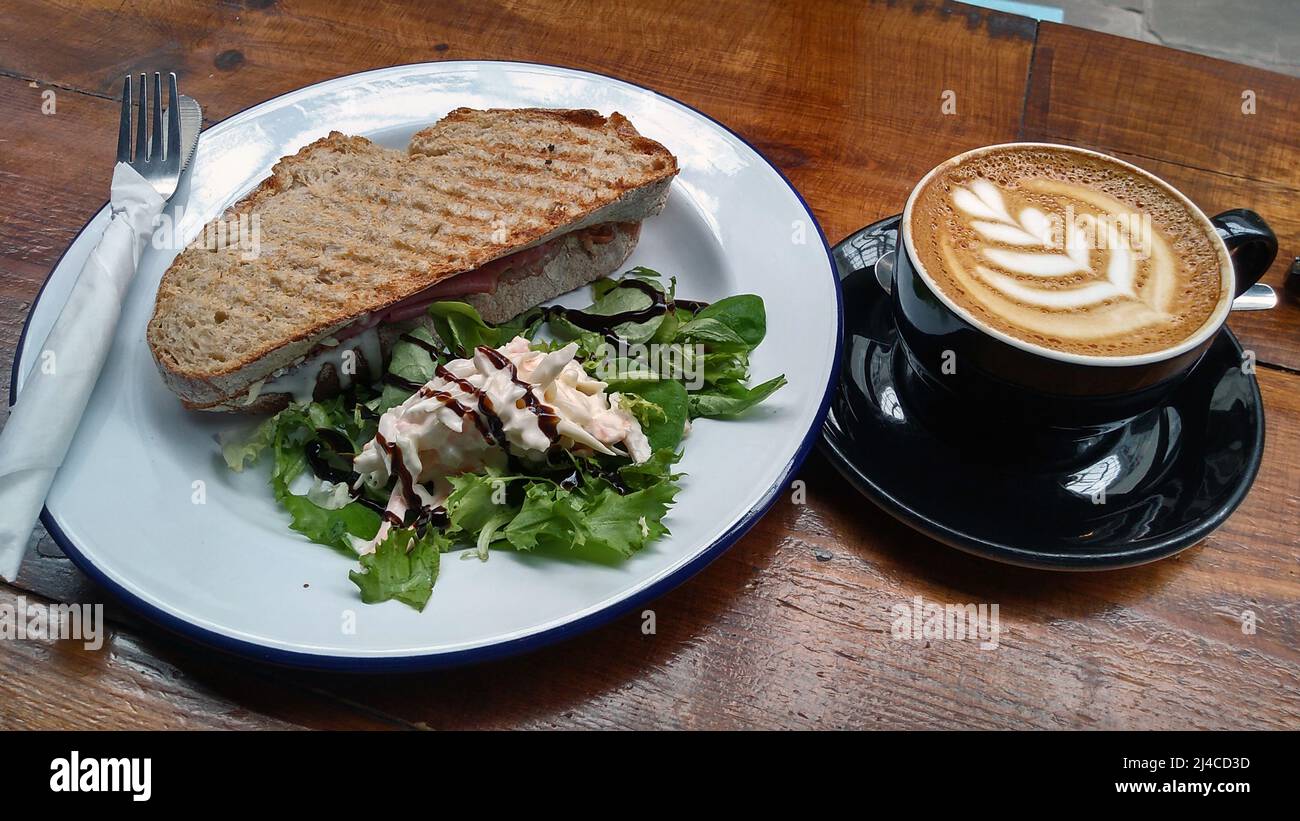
(1252, 245)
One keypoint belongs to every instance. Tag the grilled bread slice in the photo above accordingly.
(570, 262)
(346, 228)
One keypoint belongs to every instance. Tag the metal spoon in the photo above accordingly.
(1257, 297)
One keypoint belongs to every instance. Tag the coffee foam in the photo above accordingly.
(1068, 251)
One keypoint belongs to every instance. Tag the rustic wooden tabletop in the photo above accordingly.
(791, 627)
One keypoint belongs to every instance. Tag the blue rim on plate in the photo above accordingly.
(506, 648)
(1008, 510)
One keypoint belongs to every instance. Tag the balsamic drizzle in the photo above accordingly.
(404, 478)
(417, 515)
(575, 479)
(410, 385)
(692, 305)
(320, 465)
(422, 517)
(604, 324)
(485, 416)
(547, 419)
(488, 423)
(432, 349)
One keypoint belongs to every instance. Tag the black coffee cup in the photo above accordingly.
(1004, 378)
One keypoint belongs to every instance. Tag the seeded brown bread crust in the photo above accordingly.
(348, 227)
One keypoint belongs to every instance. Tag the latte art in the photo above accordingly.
(1107, 259)
(1085, 257)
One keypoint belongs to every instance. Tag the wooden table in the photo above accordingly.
(791, 628)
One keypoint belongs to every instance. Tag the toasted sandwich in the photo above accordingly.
(503, 209)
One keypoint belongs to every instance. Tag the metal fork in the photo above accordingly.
(159, 158)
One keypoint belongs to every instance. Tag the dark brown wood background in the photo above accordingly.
(791, 627)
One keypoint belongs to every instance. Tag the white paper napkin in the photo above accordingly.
(49, 407)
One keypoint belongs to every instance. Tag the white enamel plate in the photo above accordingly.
(145, 505)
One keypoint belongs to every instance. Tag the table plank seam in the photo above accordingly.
(1029, 82)
(1277, 367)
(60, 86)
(98, 95)
(1200, 169)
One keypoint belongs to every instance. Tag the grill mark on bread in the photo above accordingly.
(567, 168)
(513, 296)
(313, 275)
(561, 187)
(504, 194)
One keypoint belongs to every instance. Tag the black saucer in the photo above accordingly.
(1060, 501)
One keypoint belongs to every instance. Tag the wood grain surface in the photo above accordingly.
(791, 627)
(1224, 134)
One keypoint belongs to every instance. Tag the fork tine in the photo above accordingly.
(158, 155)
(156, 146)
(124, 129)
(172, 163)
(142, 124)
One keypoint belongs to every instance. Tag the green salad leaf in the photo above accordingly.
(573, 507)
(403, 566)
(410, 362)
(613, 300)
(461, 327)
(287, 435)
(624, 523)
(548, 518)
(329, 527)
(584, 506)
(525, 325)
(475, 500)
(668, 397)
(734, 323)
(730, 397)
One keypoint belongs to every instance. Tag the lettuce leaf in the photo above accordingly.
(588, 518)
(730, 397)
(461, 328)
(611, 300)
(590, 508)
(658, 468)
(404, 567)
(721, 365)
(737, 322)
(669, 397)
(625, 523)
(476, 499)
(330, 528)
(408, 361)
(548, 518)
(525, 325)
(644, 410)
(242, 451)
(412, 361)
(286, 435)
(714, 346)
